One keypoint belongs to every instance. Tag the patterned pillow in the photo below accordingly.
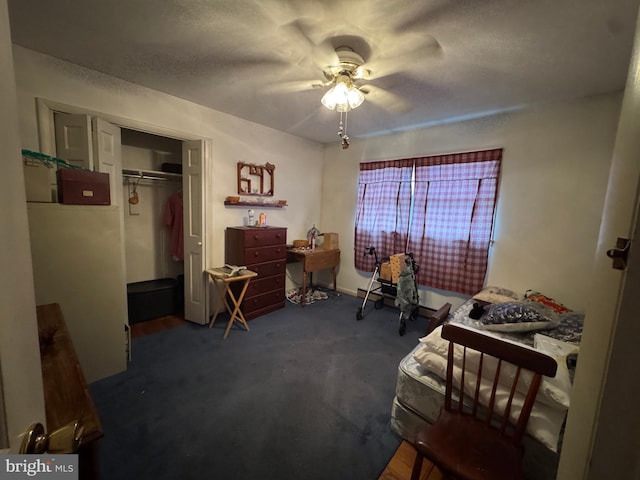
(496, 295)
(518, 317)
(549, 302)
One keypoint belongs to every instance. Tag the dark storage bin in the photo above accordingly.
(151, 299)
(171, 167)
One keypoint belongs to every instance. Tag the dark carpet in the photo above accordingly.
(306, 394)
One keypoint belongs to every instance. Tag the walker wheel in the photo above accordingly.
(379, 303)
(359, 314)
(403, 328)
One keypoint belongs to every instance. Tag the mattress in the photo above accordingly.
(420, 395)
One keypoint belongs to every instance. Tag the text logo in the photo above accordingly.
(52, 467)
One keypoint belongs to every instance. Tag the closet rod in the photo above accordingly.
(150, 175)
(144, 177)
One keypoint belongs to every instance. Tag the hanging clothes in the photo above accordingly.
(173, 221)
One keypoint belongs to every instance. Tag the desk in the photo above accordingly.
(222, 281)
(312, 261)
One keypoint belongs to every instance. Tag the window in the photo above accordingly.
(440, 208)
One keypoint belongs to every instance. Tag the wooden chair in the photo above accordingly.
(474, 442)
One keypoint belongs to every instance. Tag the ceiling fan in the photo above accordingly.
(350, 66)
(343, 94)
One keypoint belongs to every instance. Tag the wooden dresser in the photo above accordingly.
(262, 250)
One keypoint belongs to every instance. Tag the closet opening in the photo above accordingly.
(153, 225)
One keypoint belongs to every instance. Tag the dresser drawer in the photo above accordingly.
(262, 285)
(263, 300)
(265, 254)
(256, 237)
(263, 311)
(267, 269)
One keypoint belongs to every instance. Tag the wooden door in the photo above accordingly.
(73, 139)
(108, 157)
(195, 294)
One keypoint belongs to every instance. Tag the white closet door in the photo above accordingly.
(73, 139)
(195, 293)
(108, 157)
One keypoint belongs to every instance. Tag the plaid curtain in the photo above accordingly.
(452, 219)
(446, 221)
(382, 215)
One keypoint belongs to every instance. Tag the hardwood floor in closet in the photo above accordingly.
(141, 329)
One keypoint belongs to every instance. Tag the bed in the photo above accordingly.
(420, 388)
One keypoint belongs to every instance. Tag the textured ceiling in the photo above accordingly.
(432, 60)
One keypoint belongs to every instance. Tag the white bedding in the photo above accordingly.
(549, 411)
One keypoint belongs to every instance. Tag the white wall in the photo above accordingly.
(147, 240)
(554, 176)
(298, 162)
(21, 394)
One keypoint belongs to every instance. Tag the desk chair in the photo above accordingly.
(466, 444)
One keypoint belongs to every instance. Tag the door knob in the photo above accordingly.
(66, 439)
(620, 253)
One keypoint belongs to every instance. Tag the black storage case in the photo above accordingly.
(151, 299)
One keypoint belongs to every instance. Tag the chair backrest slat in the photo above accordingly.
(494, 389)
(461, 386)
(449, 380)
(476, 395)
(507, 409)
(498, 410)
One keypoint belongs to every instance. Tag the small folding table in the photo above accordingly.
(223, 280)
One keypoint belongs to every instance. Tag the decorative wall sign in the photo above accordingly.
(256, 179)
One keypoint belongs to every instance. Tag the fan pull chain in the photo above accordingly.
(342, 131)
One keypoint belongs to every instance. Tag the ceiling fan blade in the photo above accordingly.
(385, 99)
(294, 86)
(320, 53)
(416, 50)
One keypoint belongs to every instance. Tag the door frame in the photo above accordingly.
(46, 136)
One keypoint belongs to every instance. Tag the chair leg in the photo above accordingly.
(417, 467)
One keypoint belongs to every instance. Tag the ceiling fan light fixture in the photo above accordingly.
(355, 97)
(343, 96)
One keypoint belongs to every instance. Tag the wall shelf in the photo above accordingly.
(253, 204)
